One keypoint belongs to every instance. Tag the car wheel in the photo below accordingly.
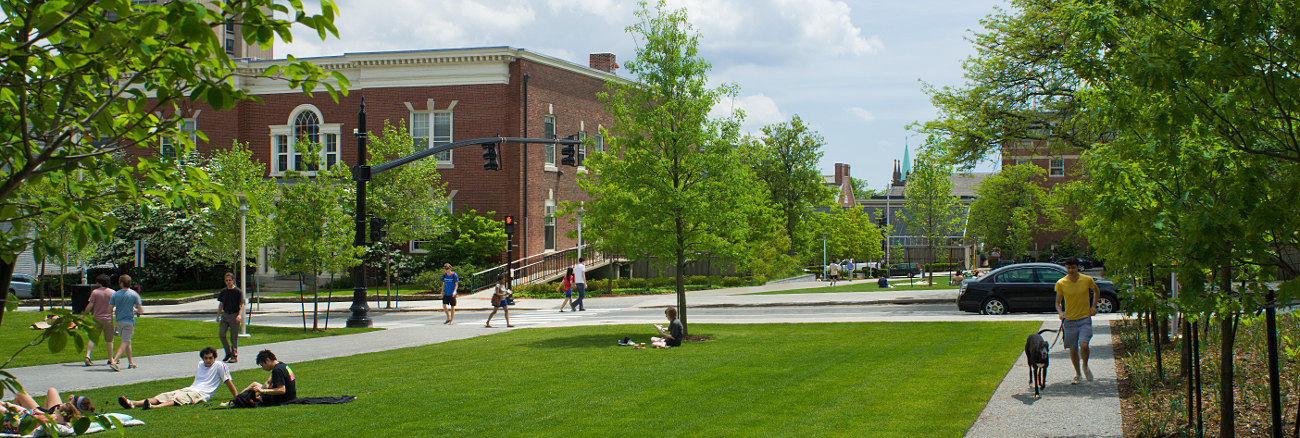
(1107, 305)
(994, 306)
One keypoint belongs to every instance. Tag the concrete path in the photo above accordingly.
(1087, 409)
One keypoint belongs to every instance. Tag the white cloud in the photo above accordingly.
(420, 25)
(862, 114)
(759, 110)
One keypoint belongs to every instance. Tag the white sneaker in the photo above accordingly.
(1087, 373)
(1076, 380)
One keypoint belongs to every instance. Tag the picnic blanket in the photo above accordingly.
(126, 420)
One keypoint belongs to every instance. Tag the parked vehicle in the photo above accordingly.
(908, 269)
(1025, 287)
(21, 285)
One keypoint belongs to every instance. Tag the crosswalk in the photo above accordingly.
(546, 317)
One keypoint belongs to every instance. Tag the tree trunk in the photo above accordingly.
(1227, 416)
(1196, 369)
(1186, 368)
(681, 286)
(315, 303)
(6, 272)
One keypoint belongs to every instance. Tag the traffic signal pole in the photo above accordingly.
(361, 173)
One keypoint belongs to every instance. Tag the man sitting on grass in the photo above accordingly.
(672, 335)
(207, 378)
(280, 388)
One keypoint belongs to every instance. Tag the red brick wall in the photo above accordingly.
(480, 111)
(1040, 155)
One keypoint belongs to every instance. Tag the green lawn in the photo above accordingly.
(846, 379)
(370, 291)
(178, 293)
(152, 336)
(860, 286)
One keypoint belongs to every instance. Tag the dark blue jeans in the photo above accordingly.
(581, 289)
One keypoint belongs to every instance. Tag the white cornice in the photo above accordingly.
(473, 66)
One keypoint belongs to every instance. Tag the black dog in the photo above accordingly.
(1036, 349)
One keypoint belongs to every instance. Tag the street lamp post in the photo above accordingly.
(823, 251)
(243, 263)
(580, 211)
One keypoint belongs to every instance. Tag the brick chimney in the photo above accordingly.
(603, 62)
(841, 173)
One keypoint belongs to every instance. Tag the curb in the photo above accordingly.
(816, 303)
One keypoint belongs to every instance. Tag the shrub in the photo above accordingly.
(732, 281)
(429, 280)
(660, 282)
(622, 283)
(636, 283)
(697, 279)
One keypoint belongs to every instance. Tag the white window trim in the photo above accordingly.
(449, 163)
(1051, 165)
(582, 152)
(190, 126)
(552, 165)
(287, 130)
(548, 212)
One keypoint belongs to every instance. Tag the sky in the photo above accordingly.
(853, 70)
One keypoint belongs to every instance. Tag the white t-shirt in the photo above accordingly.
(580, 273)
(208, 379)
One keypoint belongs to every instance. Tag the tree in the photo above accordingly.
(313, 228)
(83, 81)
(850, 233)
(238, 172)
(1010, 206)
(412, 198)
(930, 209)
(786, 161)
(863, 191)
(668, 185)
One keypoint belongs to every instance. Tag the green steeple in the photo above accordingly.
(907, 160)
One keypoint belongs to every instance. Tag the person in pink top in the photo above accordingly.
(102, 311)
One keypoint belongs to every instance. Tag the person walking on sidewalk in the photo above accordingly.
(102, 311)
(126, 306)
(566, 288)
(230, 310)
(450, 281)
(1076, 308)
(580, 284)
(500, 300)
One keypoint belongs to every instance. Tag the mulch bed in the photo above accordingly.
(1250, 376)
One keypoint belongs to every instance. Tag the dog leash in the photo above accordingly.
(1058, 336)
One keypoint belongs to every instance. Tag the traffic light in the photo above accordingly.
(490, 157)
(569, 152)
(510, 225)
(377, 231)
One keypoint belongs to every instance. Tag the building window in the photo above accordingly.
(582, 148)
(288, 142)
(432, 129)
(230, 46)
(598, 146)
(549, 149)
(1056, 167)
(167, 142)
(281, 153)
(550, 226)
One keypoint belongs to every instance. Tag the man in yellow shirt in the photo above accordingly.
(1076, 308)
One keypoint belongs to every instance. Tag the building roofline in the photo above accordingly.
(352, 60)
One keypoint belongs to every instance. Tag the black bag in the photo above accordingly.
(246, 399)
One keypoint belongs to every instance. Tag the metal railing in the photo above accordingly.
(541, 267)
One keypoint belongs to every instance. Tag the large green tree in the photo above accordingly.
(931, 210)
(239, 172)
(412, 198)
(314, 229)
(82, 81)
(1010, 207)
(850, 233)
(668, 185)
(786, 161)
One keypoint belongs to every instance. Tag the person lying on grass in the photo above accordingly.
(12, 414)
(209, 376)
(672, 334)
(281, 387)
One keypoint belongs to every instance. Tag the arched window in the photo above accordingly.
(305, 125)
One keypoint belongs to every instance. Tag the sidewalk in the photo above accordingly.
(1088, 409)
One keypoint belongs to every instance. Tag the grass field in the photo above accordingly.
(845, 379)
(860, 286)
(152, 336)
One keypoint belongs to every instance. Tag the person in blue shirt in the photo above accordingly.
(450, 281)
(126, 306)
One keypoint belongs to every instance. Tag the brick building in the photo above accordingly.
(1063, 165)
(442, 96)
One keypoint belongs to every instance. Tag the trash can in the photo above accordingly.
(80, 294)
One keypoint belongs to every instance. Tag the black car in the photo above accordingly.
(908, 269)
(1025, 287)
